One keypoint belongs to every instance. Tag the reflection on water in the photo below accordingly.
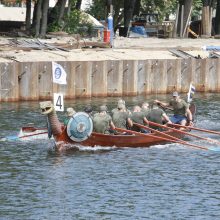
(163, 182)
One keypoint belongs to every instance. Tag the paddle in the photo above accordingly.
(197, 129)
(166, 138)
(183, 132)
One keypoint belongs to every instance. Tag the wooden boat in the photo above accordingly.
(64, 136)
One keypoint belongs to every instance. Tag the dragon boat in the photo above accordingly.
(79, 132)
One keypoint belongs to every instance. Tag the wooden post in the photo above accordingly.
(176, 21)
(181, 24)
(206, 21)
(187, 22)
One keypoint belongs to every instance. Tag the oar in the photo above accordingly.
(166, 138)
(197, 129)
(183, 132)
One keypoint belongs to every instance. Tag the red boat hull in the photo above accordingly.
(97, 139)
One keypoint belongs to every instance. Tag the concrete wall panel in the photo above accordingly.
(28, 81)
(9, 89)
(83, 81)
(158, 76)
(186, 74)
(99, 78)
(114, 77)
(130, 70)
(45, 80)
(173, 75)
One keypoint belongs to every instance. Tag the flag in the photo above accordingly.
(191, 92)
(59, 74)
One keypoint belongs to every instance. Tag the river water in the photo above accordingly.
(162, 182)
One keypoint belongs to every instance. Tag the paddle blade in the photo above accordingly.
(215, 149)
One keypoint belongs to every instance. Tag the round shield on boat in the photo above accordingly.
(79, 127)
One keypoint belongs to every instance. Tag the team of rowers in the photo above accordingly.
(121, 117)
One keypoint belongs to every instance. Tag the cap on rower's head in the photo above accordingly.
(70, 112)
(121, 106)
(121, 101)
(175, 93)
(88, 109)
(103, 108)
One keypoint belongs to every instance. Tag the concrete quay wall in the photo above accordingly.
(33, 80)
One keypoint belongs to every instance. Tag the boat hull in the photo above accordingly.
(97, 139)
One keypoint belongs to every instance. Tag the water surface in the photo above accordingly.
(162, 182)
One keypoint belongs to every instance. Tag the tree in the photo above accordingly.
(128, 13)
(43, 28)
(28, 16)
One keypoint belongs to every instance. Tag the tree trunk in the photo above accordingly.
(28, 16)
(57, 13)
(78, 4)
(37, 18)
(137, 8)
(45, 7)
(184, 10)
(128, 13)
(217, 19)
(61, 11)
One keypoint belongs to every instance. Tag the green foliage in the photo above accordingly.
(77, 22)
(72, 21)
(197, 8)
(98, 9)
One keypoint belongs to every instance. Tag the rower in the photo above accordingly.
(139, 117)
(102, 121)
(182, 114)
(121, 117)
(145, 108)
(69, 112)
(158, 116)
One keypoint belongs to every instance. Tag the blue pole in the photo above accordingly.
(111, 28)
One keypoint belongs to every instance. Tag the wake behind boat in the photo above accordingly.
(79, 131)
(28, 133)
